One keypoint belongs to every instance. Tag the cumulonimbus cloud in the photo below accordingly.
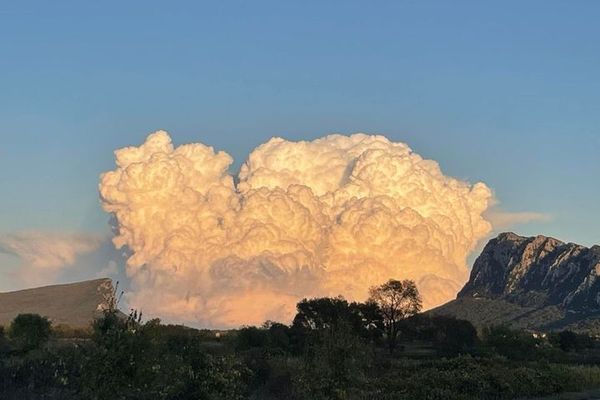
(331, 216)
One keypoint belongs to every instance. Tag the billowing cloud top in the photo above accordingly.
(332, 216)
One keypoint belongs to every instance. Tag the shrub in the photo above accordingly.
(30, 331)
(516, 345)
(449, 336)
(334, 363)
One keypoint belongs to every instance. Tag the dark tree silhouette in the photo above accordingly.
(397, 300)
(321, 313)
(363, 319)
(30, 331)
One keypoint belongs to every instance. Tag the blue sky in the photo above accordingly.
(506, 92)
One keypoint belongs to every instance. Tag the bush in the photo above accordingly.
(129, 359)
(449, 336)
(251, 336)
(30, 331)
(571, 341)
(513, 344)
(334, 362)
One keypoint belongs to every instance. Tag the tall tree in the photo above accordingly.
(397, 300)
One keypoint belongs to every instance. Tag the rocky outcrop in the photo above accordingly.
(543, 281)
(537, 271)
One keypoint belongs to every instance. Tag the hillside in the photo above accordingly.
(74, 304)
(537, 283)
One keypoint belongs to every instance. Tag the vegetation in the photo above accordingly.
(397, 300)
(334, 349)
(29, 331)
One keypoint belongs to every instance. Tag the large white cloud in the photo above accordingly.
(327, 217)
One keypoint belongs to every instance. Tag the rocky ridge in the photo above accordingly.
(534, 282)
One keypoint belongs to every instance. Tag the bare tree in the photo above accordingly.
(397, 300)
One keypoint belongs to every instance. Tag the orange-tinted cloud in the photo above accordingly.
(327, 217)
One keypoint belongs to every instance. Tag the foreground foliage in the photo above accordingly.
(466, 377)
(29, 331)
(333, 350)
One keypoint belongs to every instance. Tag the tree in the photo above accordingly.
(251, 336)
(397, 300)
(321, 313)
(30, 331)
(279, 335)
(363, 319)
(371, 320)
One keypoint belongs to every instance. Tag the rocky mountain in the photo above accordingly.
(536, 282)
(74, 304)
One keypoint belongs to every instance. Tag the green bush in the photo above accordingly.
(30, 331)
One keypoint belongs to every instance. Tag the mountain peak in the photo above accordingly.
(535, 270)
(536, 282)
(510, 236)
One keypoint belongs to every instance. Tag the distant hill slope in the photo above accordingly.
(73, 304)
(538, 283)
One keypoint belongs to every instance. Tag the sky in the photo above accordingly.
(507, 93)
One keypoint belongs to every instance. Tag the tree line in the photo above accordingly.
(333, 349)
